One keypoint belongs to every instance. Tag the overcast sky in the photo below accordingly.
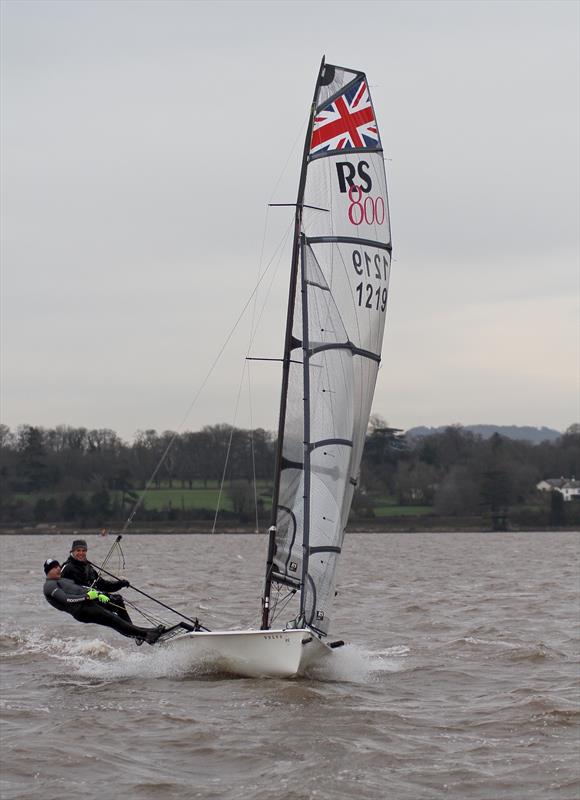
(142, 142)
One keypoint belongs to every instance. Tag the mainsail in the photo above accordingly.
(336, 317)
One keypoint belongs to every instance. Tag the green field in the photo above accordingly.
(206, 497)
(160, 499)
(200, 496)
(382, 510)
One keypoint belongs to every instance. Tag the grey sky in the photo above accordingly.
(142, 141)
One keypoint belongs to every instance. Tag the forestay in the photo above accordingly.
(336, 322)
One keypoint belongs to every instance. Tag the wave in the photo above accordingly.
(508, 651)
(36, 641)
(478, 641)
(355, 664)
(96, 659)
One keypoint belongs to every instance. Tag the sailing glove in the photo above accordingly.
(92, 594)
(102, 598)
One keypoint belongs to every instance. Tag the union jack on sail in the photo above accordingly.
(347, 122)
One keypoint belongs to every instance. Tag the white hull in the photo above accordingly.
(252, 654)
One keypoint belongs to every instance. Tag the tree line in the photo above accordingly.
(92, 475)
(457, 472)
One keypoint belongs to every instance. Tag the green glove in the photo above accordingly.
(92, 594)
(102, 598)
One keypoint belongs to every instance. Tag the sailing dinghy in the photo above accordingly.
(337, 304)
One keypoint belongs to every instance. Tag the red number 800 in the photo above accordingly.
(370, 211)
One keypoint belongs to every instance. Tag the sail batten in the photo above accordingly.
(349, 240)
(324, 442)
(356, 351)
(337, 308)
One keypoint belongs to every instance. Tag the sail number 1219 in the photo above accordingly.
(371, 295)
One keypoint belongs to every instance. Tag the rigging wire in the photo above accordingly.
(115, 547)
(253, 294)
(220, 352)
(279, 251)
(282, 602)
(257, 530)
(253, 328)
(252, 331)
(117, 550)
(299, 138)
(213, 365)
(148, 615)
(228, 451)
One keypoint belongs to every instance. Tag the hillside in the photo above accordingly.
(519, 432)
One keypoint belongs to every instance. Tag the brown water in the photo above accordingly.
(461, 679)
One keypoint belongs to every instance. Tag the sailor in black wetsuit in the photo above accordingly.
(88, 605)
(76, 568)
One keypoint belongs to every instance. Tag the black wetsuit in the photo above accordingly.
(84, 574)
(66, 595)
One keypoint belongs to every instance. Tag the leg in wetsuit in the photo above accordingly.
(102, 616)
(117, 606)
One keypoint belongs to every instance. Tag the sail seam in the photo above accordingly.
(325, 549)
(348, 150)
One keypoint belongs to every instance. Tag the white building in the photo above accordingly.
(569, 487)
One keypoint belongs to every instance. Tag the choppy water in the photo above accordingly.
(461, 679)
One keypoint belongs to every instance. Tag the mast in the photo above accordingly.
(306, 428)
(286, 357)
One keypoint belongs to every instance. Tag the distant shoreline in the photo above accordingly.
(377, 528)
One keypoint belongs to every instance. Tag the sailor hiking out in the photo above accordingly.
(89, 605)
(79, 570)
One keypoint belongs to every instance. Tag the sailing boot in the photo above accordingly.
(143, 635)
(154, 634)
